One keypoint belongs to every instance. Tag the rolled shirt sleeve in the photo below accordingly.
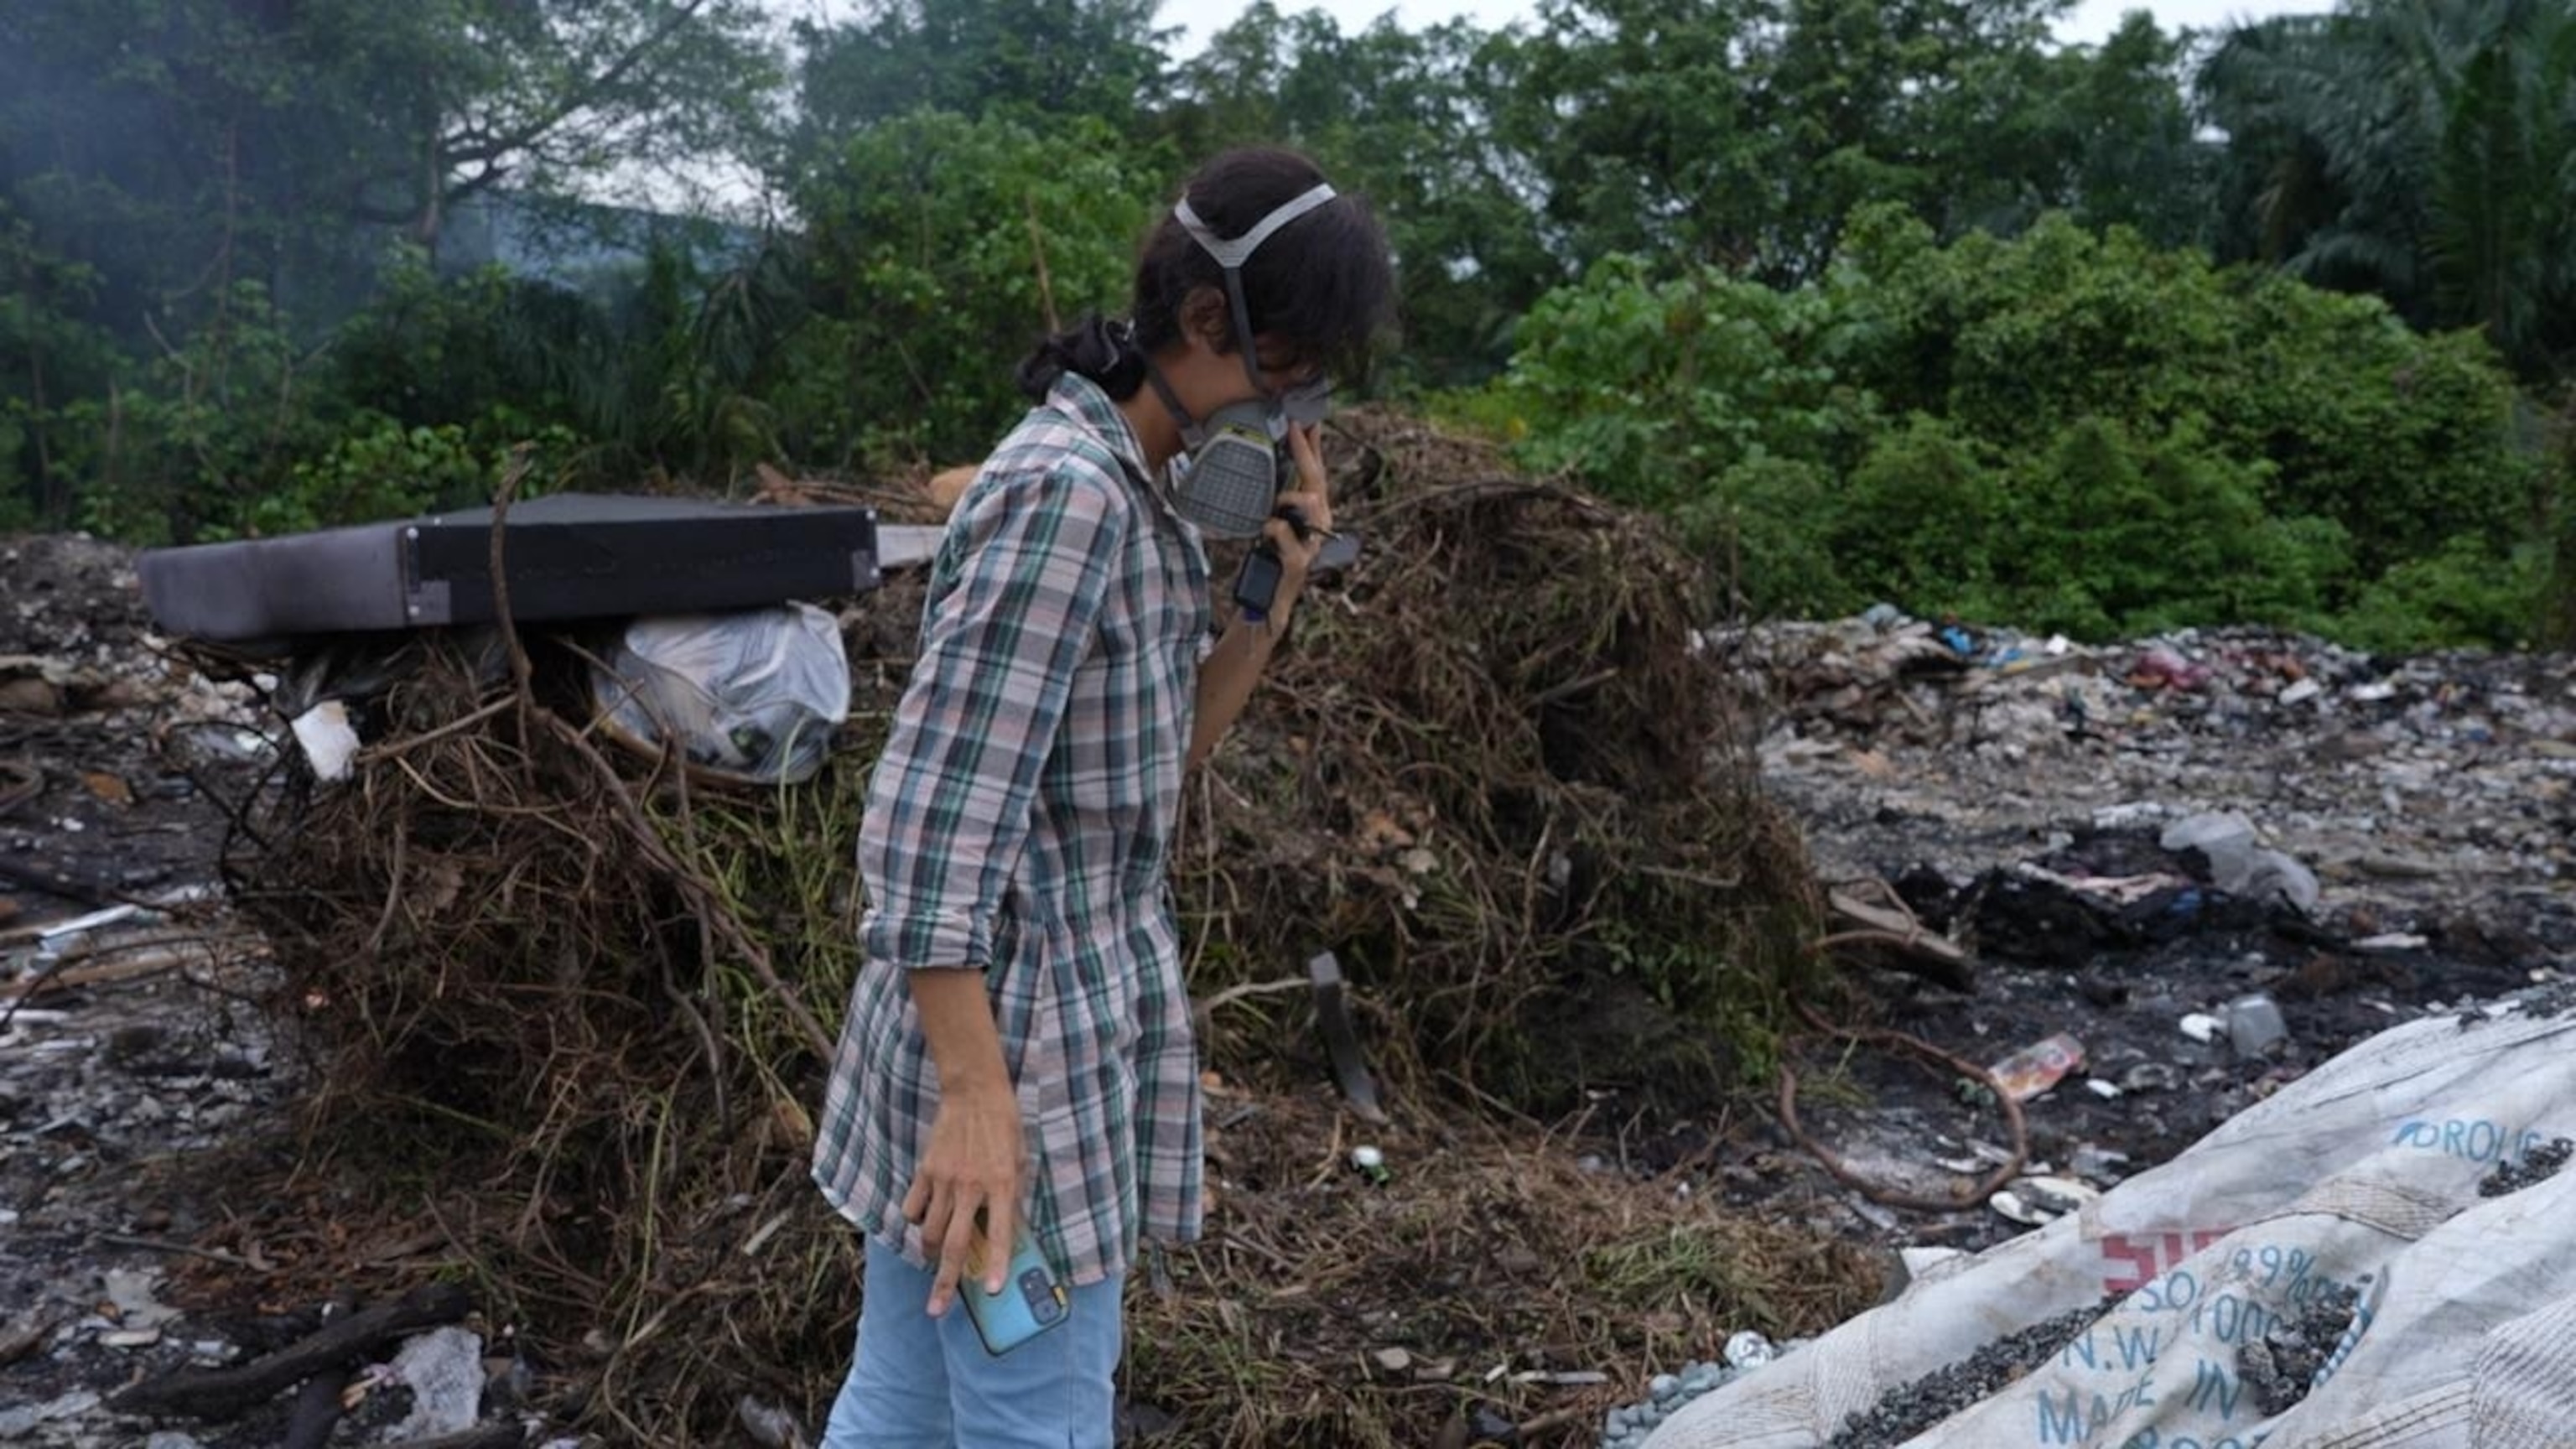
(1014, 608)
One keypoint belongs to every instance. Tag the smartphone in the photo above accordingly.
(1031, 1301)
(1257, 587)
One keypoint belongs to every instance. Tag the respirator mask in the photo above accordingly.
(1237, 461)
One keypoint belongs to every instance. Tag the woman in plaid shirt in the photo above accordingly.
(1017, 1053)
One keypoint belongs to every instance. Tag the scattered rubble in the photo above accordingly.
(2214, 877)
(2281, 1366)
(1908, 1411)
(2436, 782)
(2537, 1165)
(132, 1044)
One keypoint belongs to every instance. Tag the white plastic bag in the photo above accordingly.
(754, 695)
(2363, 1175)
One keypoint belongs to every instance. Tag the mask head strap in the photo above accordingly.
(1192, 435)
(1231, 255)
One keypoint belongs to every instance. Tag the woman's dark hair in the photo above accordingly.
(1322, 285)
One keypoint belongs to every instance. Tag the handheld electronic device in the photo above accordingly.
(1257, 586)
(1031, 1301)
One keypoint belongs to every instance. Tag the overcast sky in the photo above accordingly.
(2091, 20)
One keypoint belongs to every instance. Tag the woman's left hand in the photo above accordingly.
(1313, 499)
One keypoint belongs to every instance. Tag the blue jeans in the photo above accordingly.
(920, 1382)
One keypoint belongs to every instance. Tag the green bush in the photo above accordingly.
(375, 469)
(1757, 526)
(2121, 535)
(1654, 389)
(2063, 430)
(1931, 513)
(660, 365)
(2464, 593)
(239, 431)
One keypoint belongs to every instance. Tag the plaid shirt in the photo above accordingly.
(1020, 823)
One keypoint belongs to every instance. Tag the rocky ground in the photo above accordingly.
(2017, 796)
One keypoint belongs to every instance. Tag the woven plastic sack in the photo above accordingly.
(2375, 1176)
(753, 696)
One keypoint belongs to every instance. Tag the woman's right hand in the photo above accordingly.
(968, 1187)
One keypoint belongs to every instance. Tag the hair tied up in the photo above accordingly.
(1100, 348)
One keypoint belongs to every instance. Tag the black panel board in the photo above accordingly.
(569, 556)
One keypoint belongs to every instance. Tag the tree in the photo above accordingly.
(2421, 149)
(941, 248)
(1741, 132)
(185, 144)
(1021, 58)
(2120, 127)
(50, 361)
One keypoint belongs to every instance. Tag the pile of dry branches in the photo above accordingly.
(582, 1003)
(1492, 771)
(571, 1008)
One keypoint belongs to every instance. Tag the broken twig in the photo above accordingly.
(226, 1393)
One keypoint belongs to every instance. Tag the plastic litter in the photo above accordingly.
(22, 1420)
(752, 696)
(2280, 877)
(769, 1426)
(2164, 667)
(2254, 1024)
(2035, 1068)
(2035, 1201)
(2151, 1077)
(2225, 838)
(2236, 865)
(444, 1368)
(328, 740)
(1628, 1426)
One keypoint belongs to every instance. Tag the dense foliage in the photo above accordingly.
(2067, 430)
(1902, 300)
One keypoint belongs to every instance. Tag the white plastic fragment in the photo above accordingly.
(444, 1368)
(329, 741)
